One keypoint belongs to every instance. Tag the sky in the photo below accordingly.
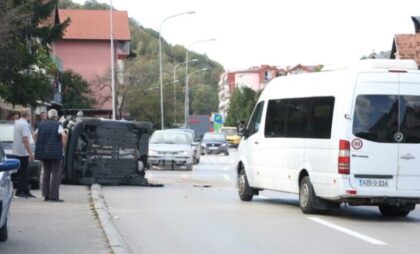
(276, 32)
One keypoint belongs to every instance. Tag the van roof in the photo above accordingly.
(377, 64)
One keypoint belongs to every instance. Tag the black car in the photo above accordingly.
(6, 137)
(214, 143)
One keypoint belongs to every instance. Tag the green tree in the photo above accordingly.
(76, 92)
(25, 63)
(242, 102)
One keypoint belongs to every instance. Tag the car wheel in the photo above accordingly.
(4, 232)
(307, 196)
(390, 210)
(190, 167)
(226, 153)
(244, 190)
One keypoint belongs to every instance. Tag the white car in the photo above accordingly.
(7, 166)
(171, 149)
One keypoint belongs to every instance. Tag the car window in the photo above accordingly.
(2, 154)
(6, 132)
(175, 137)
(229, 132)
(214, 137)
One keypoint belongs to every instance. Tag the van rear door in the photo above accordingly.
(409, 147)
(374, 151)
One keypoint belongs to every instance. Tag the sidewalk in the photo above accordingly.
(43, 227)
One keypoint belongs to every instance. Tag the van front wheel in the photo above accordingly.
(307, 196)
(244, 190)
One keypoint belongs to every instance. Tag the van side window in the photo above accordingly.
(254, 124)
(300, 118)
(297, 118)
(321, 117)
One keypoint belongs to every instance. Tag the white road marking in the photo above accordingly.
(347, 231)
(263, 197)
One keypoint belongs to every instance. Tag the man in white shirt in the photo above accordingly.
(23, 152)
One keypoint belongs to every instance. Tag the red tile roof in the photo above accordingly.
(94, 24)
(408, 46)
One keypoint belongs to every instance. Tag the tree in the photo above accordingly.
(76, 92)
(242, 102)
(25, 63)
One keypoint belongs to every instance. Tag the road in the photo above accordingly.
(200, 212)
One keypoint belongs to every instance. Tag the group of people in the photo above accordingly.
(50, 143)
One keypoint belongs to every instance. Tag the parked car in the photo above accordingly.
(214, 143)
(231, 135)
(346, 136)
(7, 166)
(196, 143)
(6, 137)
(171, 149)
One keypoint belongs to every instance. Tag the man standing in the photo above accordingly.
(23, 152)
(50, 142)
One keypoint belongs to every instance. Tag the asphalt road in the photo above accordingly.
(200, 212)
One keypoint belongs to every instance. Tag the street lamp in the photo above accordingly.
(176, 66)
(160, 62)
(186, 76)
(112, 62)
(187, 98)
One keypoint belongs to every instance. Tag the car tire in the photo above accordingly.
(226, 153)
(189, 167)
(307, 196)
(393, 211)
(245, 192)
(4, 232)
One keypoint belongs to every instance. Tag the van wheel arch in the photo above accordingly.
(302, 174)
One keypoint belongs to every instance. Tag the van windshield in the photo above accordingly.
(376, 118)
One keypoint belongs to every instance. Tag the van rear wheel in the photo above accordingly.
(307, 196)
(390, 210)
(245, 192)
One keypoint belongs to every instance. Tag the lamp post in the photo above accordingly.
(187, 98)
(176, 66)
(186, 101)
(112, 62)
(160, 62)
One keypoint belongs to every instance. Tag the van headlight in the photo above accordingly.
(185, 153)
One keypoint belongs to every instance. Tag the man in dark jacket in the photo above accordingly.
(50, 143)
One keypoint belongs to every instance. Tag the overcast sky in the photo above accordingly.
(276, 32)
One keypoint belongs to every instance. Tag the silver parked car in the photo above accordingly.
(7, 166)
(171, 149)
(196, 143)
(6, 137)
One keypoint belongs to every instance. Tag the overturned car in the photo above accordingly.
(106, 152)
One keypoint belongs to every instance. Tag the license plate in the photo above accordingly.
(373, 183)
(212, 148)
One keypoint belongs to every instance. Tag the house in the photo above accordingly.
(255, 78)
(407, 46)
(86, 49)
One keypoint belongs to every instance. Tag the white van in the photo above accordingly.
(349, 136)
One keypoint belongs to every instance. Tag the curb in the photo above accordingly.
(114, 238)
